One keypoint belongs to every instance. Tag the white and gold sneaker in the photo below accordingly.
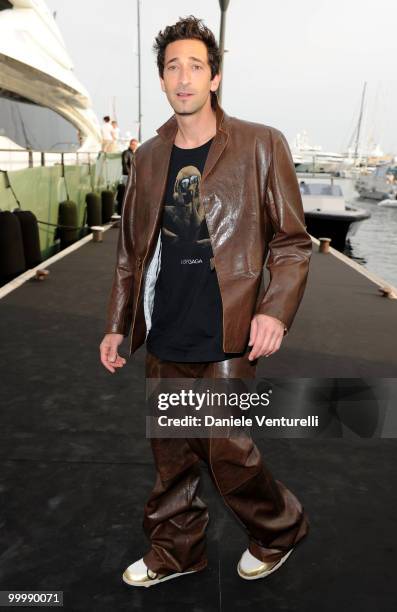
(138, 574)
(251, 568)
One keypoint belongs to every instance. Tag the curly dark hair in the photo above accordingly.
(187, 28)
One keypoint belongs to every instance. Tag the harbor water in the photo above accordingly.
(374, 244)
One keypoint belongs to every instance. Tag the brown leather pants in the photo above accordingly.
(175, 518)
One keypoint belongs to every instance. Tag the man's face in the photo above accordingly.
(133, 145)
(187, 76)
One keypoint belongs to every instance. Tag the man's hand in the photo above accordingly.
(266, 335)
(109, 355)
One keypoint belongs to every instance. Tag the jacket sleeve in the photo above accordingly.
(119, 311)
(290, 248)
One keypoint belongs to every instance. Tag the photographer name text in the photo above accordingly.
(243, 421)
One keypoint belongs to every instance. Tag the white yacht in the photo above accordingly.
(46, 123)
(312, 158)
(43, 106)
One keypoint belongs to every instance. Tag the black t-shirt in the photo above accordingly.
(187, 322)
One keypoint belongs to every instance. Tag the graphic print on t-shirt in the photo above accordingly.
(184, 219)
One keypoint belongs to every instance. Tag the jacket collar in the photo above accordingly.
(168, 130)
(167, 133)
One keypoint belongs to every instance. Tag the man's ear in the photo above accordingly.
(215, 81)
(162, 84)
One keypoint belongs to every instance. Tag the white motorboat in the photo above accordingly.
(327, 213)
(388, 203)
(381, 184)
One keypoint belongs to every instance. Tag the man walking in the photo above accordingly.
(208, 199)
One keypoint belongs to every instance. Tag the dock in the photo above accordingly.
(76, 467)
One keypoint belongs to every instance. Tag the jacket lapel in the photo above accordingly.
(161, 155)
(215, 151)
(219, 142)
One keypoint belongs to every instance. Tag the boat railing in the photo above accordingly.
(18, 159)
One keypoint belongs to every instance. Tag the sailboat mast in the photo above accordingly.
(359, 124)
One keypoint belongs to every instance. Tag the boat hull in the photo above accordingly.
(336, 227)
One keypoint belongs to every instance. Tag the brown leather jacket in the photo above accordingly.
(253, 208)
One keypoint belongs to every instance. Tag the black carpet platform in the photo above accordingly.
(76, 467)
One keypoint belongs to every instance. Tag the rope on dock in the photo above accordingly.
(9, 186)
(60, 225)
